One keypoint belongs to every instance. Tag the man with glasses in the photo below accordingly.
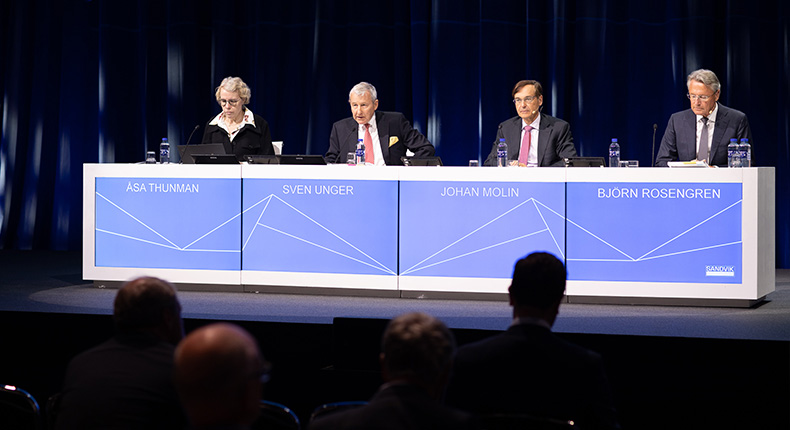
(703, 132)
(533, 138)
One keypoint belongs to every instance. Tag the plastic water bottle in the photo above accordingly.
(746, 153)
(501, 153)
(164, 151)
(614, 154)
(732, 148)
(360, 153)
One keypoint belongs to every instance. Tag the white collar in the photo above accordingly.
(248, 118)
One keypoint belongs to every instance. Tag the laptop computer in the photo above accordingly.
(421, 161)
(584, 162)
(215, 159)
(301, 159)
(187, 152)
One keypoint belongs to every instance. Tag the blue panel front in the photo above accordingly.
(655, 232)
(477, 229)
(320, 226)
(168, 223)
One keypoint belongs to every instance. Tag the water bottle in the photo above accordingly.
(501, 153)
(732, 148)
(736, 157)
(746, 153)
(359, 154)
(614, 154)
(164, 151)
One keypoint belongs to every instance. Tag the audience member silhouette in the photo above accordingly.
(528, 369)
(416, 354)
(127, 381)
(219, 375)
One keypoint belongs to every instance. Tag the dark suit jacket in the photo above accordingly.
(396, 407)
(126, 382)
(344, 136)
(529, 370)
(555, 141)
(680, 138)
(248, 141)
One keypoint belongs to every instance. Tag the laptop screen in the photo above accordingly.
(187, 151)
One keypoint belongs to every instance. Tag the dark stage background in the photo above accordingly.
(104, 81)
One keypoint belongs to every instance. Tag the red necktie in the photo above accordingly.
(368, 141)
(523, 153)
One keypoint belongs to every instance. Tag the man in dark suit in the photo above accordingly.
(127, 381)
(386, 135)
(417, 351)
(707, 120)
(533, 138)
(527, 369)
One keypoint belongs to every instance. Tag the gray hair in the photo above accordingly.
(417, 346)
(235, 85)
(363, 87)
(705, 76)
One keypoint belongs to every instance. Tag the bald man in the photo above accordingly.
(218, 374)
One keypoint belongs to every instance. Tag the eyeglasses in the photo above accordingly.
(527, 99)
(233, 102)
(693, 97)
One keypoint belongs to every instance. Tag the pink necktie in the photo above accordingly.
(523, 153)
(368, 141)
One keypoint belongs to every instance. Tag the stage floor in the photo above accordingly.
(51, 281)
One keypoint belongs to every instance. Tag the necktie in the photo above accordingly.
(368, 141)
(523, 152)
(702, 153)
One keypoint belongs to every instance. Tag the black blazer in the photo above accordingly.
(529, 370)
(396, 135)
(680, 138)
(555, 141)
(248, 141)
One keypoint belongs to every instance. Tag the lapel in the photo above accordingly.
(544, 133)
(513, 134)
(384, 135)
(718, 131)
(687, 142)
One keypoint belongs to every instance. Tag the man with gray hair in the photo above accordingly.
(416, 354)
(704, 131)
(386, 135)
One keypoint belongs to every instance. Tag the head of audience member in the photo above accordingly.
(148, 305)
(219, 375)
(528, 98)
(418, 349)
(232, 95)
(538, 287)
(704, 89)
(364, 102)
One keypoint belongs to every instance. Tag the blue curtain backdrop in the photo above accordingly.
(104, 81)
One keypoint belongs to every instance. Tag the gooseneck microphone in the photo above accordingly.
(653, 152)
(192, 134)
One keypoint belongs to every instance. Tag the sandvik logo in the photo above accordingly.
(719, 270)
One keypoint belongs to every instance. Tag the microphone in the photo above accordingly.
(653, 152)
(192, 134)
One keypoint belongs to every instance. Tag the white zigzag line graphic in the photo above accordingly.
(475, 251)
(385, 270)
(172, 245)
(644, 257)
(381, 266)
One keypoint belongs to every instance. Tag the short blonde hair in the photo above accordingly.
(235, 85)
